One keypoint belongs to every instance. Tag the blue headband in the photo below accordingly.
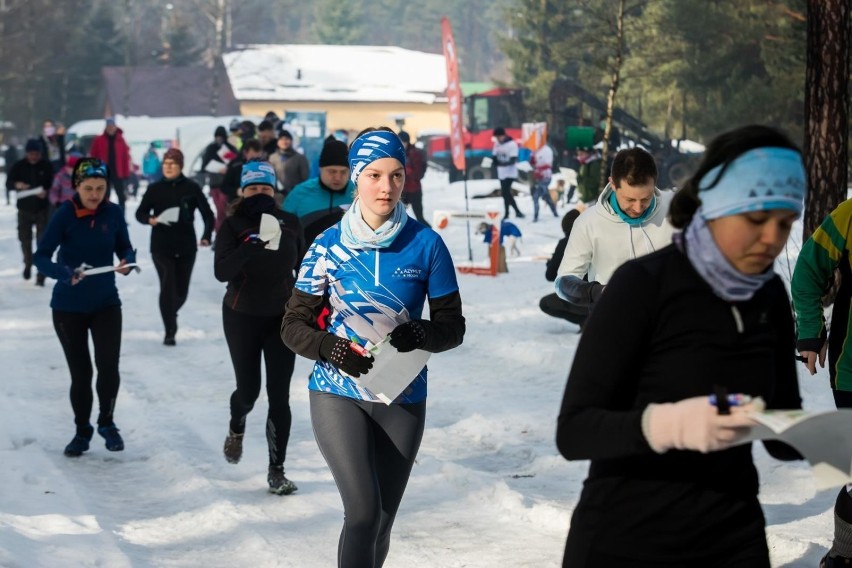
(373, 146)
(758, 180)
(257, 173)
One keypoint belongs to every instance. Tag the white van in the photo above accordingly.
(138, 131)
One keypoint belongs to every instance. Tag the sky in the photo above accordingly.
(488, 489)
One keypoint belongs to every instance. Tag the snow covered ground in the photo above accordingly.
(489, 488)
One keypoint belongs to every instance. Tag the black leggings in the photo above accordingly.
(248, 338)
(508, 196)
(556, 307)
(73, 329)
(26, 221)
(370, 449)
(175, 273)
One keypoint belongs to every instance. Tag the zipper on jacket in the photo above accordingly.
(738, 319)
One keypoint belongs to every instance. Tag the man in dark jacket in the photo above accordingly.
(266, 136)
(251, 150)
(415, 169)
(31, 177)
(214, 164)
(291, 167)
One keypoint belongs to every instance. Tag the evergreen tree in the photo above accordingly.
(339, 22)
(183, 46)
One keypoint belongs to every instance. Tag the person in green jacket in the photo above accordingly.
(822, 254)
(588, 175)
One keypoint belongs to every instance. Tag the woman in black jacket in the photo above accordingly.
(173, 243)
(672, 482)
(260, 272)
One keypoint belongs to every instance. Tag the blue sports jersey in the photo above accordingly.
(371, 291)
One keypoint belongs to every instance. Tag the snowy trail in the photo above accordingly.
(489, 488)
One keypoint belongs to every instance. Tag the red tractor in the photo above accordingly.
(483, 112)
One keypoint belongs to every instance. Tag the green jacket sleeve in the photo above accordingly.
(820, 256)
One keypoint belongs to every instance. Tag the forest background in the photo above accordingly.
(691, 68)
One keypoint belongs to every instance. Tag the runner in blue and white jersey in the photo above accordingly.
(374, 270)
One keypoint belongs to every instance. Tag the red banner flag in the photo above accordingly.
(454, 96)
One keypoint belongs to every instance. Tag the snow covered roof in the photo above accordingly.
(344, 73)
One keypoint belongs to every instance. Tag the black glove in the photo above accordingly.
(338, 352)
(408, 336)
(253, 245)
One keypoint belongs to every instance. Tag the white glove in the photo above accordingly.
(694, 424)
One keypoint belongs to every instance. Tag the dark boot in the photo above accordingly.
(81, 440)
(233, 448)
(278, 482)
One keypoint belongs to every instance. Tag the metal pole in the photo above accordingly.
(467, 216)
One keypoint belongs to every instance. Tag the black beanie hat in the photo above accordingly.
(334, 153)
(220, 131)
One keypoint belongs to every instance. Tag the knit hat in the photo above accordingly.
(499, 131)
(758, 180)
(86, 168)
(220, 132)
(110, 120)
(334, 153)
(234, 125)
(373, 146)
(175, 155)
(33, 145)
(72, 159)
(284, 133)
(257, 172)
(405, 137)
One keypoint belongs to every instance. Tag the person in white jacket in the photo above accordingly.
(628, 221)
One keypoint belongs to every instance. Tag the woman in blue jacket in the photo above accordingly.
(375, 270)
(88, 230)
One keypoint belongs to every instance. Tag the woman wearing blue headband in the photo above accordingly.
(258, 266)
(89, 231)
(375, 269)
(671, 482)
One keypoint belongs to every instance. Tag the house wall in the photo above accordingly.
(355, 116)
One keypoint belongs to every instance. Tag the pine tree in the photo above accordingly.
(338, 22)
(826, 109)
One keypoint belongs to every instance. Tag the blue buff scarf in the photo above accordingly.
(704, 255)
(373, 146)
(357, 234)
(634, 221)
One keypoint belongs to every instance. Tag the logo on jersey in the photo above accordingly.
(407, 273)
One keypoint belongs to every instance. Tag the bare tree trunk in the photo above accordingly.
(826, 109)
(615, 79)
(128, 45)
(667, 134)
(31, 81)
(218, 48)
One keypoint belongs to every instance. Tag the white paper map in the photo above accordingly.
(823, 438)
(22, 193)
(169, 216)
(270, 231)
(87, 270)
(392, 371)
